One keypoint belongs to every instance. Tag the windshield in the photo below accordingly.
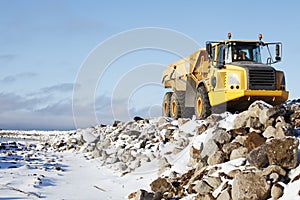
(243, 52)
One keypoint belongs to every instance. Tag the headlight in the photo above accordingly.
(233, 79)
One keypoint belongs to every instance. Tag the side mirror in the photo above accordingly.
(209, 49)
(277, 58)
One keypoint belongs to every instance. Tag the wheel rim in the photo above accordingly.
(174, 108)
(165, 108)
(199, 106)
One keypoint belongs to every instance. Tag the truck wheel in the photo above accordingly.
(166, 105)
(202, 105)
(176, 104)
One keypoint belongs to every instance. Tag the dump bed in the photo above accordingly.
(195, 66)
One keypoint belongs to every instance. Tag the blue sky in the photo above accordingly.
(44, 44)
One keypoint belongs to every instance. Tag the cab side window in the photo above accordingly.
(221, 53)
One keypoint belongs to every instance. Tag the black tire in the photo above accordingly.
(177, 104)
(166, 105)
(202, 105)
(177, 107)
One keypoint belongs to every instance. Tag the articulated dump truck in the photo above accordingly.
(227, 75)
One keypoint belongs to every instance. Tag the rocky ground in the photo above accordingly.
(250, 155)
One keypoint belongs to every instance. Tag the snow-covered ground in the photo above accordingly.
(107, 162)
(29, 171)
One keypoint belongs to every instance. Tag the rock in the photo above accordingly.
(284, 129)
(209, 148)
(250, 186)
(157, 196)
(135, 134)
(163, 165)
(269, 113)
(274, 169)
(240, 139)
(214, 182)
(195, 175)
(257, 107)
(122, 166)
(296, 123)
(204, 197)
(276, 191)
(143, 195)
(274, 177)
(137, 118)
(241, 120)
(201, 129)
(254, 140)
(88, 137)
(182, 121)
(239, 153)
(112, 159)
(269, 132)
(229, 147)
(194, 156)
(194, 153)
(232, 173)
(295, 118)
(116, 122)
(220, 136)
(89, 148)
(216, 158)
(258, 157)
(253, 122)
(239, 131)
(96, 153)
(213, 119)
(162, 121)
(161, 185)
(283, 152)
(201, 163)
(225, 195)
(202, 187)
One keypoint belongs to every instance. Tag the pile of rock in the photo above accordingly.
(250, 161)
(126, 146)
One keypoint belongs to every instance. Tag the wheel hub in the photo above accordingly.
(199, 106)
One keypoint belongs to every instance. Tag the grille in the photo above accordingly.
(262, 79)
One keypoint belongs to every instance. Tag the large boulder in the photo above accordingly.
(283, 152)
(251, 117)
(216, 158)
(202, 187)
(250, 186)
(270, 132)
(220, 136)
(254, 140)
(161, 185)
(258, 157)
(267, 116)
(210, 147)
(240, 152)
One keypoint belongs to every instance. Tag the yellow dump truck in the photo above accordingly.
(226, 75)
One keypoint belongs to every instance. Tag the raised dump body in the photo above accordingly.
(227, 75)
